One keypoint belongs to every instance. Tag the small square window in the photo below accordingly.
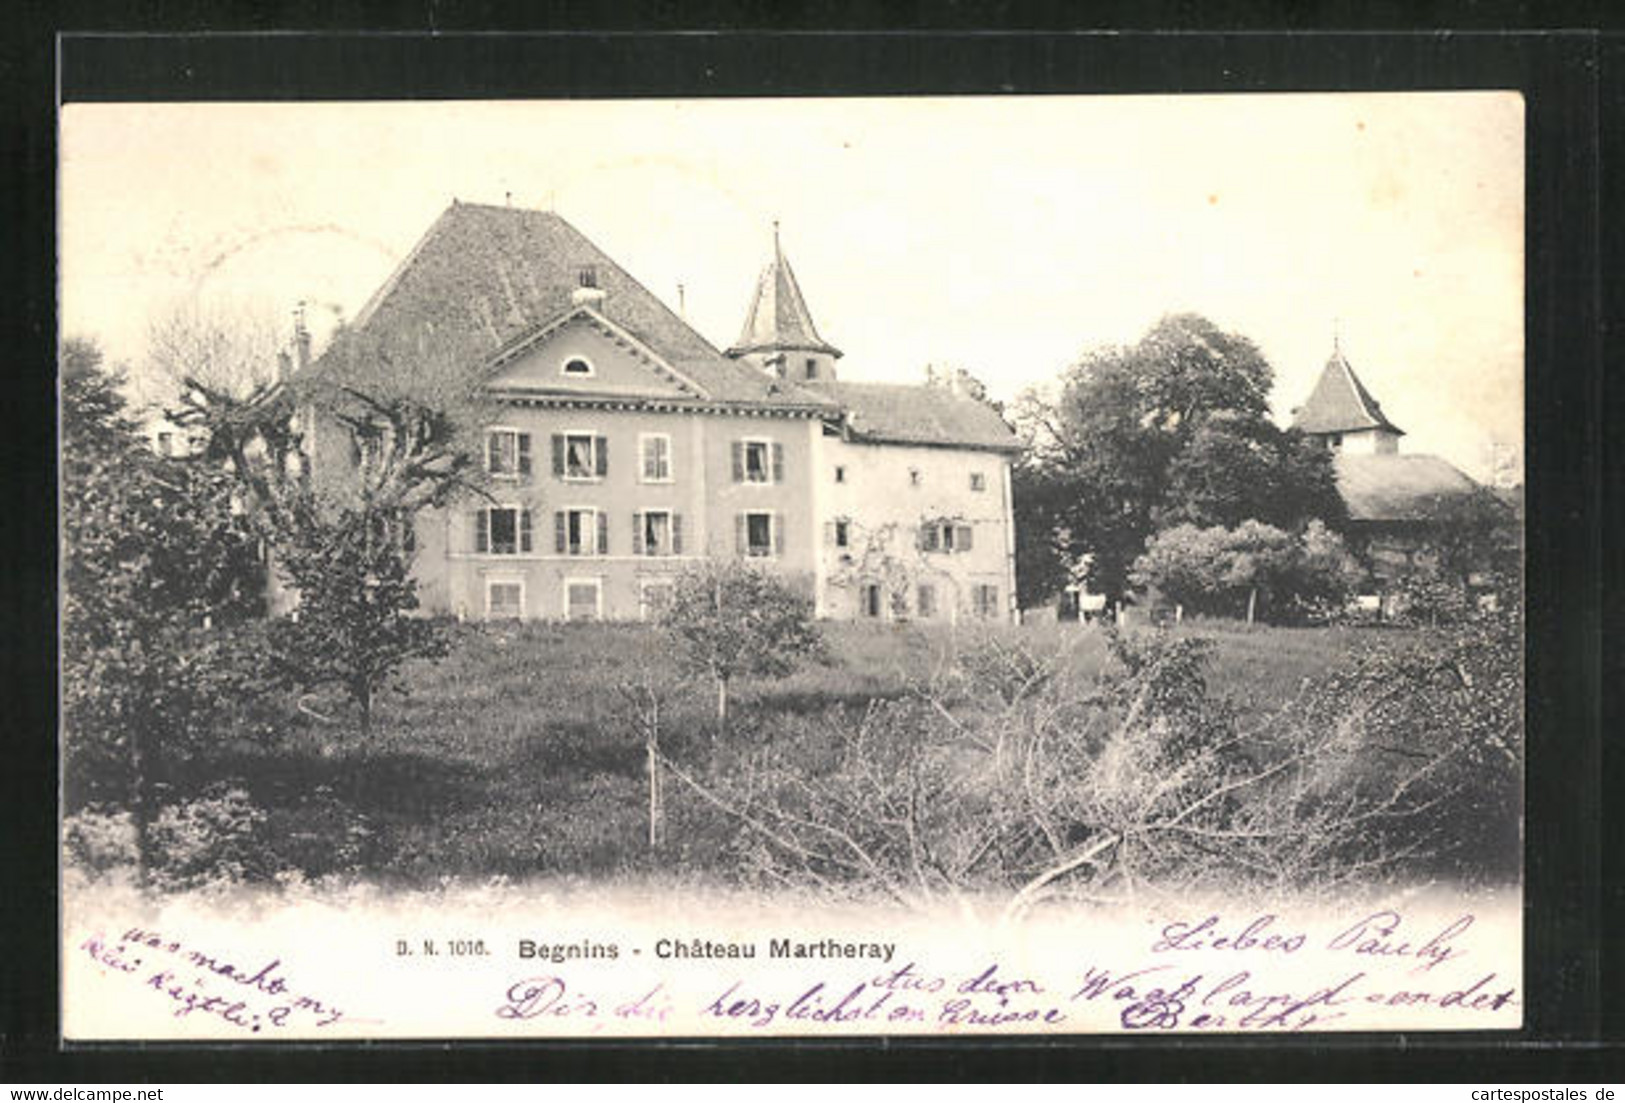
(914, 476)
(978, 481)
(581, 599)
(840, 473)
(843, 534)
(505, 599)
(811, 368)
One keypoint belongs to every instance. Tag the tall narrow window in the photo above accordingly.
(652, 533)
(580, 456)
(985, 601)
(757, 469)
(759, 535)
(978, 481)
(507, 453)
(926, 601)
(502, 530)
(580, 532)
(870, 596)
(656, 458)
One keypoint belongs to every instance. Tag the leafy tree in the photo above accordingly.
(353, 627)
(1173, 429)
(729, 620)
(154, 554)
(1223, 571)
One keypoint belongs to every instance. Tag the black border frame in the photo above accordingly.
(1569, 80)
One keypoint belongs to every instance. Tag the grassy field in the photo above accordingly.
(513, 756)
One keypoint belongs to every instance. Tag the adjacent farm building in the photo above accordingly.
(1402, 508)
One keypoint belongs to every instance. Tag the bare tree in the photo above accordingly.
(1014, 775)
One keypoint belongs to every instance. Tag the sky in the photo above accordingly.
(1003, 234)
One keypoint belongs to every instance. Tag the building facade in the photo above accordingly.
(623, 447)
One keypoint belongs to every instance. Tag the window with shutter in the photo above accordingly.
(962, 538)
(758, 461)
(654, 533)
(759, 534)
(584, 456)
(503, 530)
(603, 534)
(558, 455)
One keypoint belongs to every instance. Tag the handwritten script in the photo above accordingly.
(249, 995)
(1205, 973)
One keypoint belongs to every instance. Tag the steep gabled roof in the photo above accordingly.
(778, 317)
(1340, 403)
(1398, 487)
(914, 414)
(484, 277)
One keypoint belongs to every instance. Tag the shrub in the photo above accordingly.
(214, 840)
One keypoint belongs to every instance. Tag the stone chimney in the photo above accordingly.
(301, 337)
(587, 292)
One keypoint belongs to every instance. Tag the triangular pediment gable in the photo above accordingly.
(581, 352)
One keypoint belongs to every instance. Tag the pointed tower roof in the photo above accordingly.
(778, 317)
(1340, 403)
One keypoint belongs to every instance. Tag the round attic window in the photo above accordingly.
(576, 365)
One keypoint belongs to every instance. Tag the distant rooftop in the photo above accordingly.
(1340, 403)
(1399, 487)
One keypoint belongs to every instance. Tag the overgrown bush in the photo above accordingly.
(213, 840)
(1011, 775)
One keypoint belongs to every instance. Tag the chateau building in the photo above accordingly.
(625, 446)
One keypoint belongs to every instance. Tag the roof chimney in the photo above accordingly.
(587, 292)
(301, 337)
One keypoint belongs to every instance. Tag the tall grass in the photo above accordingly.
(512, 755)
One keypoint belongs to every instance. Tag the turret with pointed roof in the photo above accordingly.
(1342, 412)
(779, 335)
